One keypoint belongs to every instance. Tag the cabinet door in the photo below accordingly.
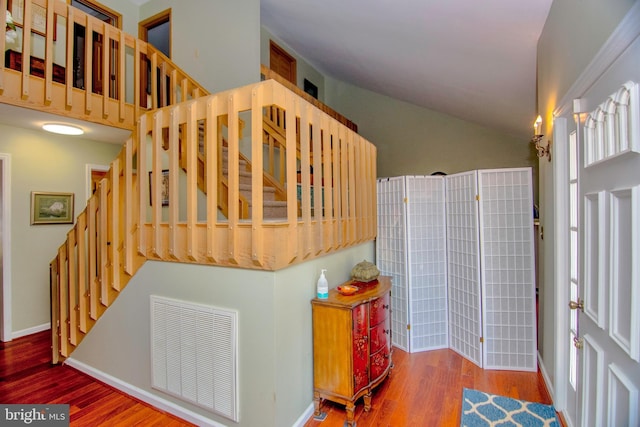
(360, 347)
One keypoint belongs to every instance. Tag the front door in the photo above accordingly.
(609, 299)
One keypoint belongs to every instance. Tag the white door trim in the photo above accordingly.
(88, 169)
(561, 261)
(5, 330)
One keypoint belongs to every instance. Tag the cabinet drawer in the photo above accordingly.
(380, 362)
(379, 310)
(380, 336)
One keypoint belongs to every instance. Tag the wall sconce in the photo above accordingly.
(537, 138)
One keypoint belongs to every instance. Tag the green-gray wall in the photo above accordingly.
(274, 321)
(215, 42)
(42, 162)
(574, 32)
(412, 140)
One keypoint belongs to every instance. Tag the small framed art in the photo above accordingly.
(51, 208)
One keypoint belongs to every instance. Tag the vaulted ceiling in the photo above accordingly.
(475, 60)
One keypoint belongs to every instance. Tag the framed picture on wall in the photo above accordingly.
(51, 208)
(38, 16)
(310, 88)
(164, 187)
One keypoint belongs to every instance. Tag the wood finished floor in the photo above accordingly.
(424, 389)
(27, 376)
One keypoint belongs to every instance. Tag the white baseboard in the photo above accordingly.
(143, 395)
(547, 380)
(29, 331)
(306, 415)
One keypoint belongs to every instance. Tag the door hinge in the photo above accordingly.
(405, 200)
(482, 339)
(408, 327)
(477, 197)
(578, 342)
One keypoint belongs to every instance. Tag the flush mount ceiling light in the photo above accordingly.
(62, 129)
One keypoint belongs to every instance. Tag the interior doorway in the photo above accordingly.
(155, 30)
(282, 62)
(99, 83)
(95, 174)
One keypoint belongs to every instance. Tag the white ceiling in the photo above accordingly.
(471, 59)
(34, 119)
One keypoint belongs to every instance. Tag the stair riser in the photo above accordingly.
(268, 195)
(273, 212)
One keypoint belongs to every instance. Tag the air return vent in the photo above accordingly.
(194, 354)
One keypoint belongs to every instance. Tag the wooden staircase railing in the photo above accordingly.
(329, 210)
(120, 229)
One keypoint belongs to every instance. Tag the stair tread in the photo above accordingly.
(247, 187)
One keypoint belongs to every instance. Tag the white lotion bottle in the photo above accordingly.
(323, 286)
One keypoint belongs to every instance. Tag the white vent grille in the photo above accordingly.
(194, 354)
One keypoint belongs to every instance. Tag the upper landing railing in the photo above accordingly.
(84, 68)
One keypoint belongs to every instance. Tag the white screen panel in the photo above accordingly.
(391, 257)
(427, 263)
(463, 266)
(507, 265)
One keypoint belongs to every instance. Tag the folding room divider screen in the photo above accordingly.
(411, 248)
(460, 251)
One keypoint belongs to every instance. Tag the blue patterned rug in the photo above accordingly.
(481, 409)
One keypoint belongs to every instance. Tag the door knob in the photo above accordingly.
(576, 305)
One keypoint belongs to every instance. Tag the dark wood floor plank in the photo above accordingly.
(27, 376)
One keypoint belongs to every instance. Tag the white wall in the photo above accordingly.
(574, 32)
(42, 162)
(216, 42)
(275, 330)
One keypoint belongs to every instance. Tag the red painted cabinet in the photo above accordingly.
(351, 345)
